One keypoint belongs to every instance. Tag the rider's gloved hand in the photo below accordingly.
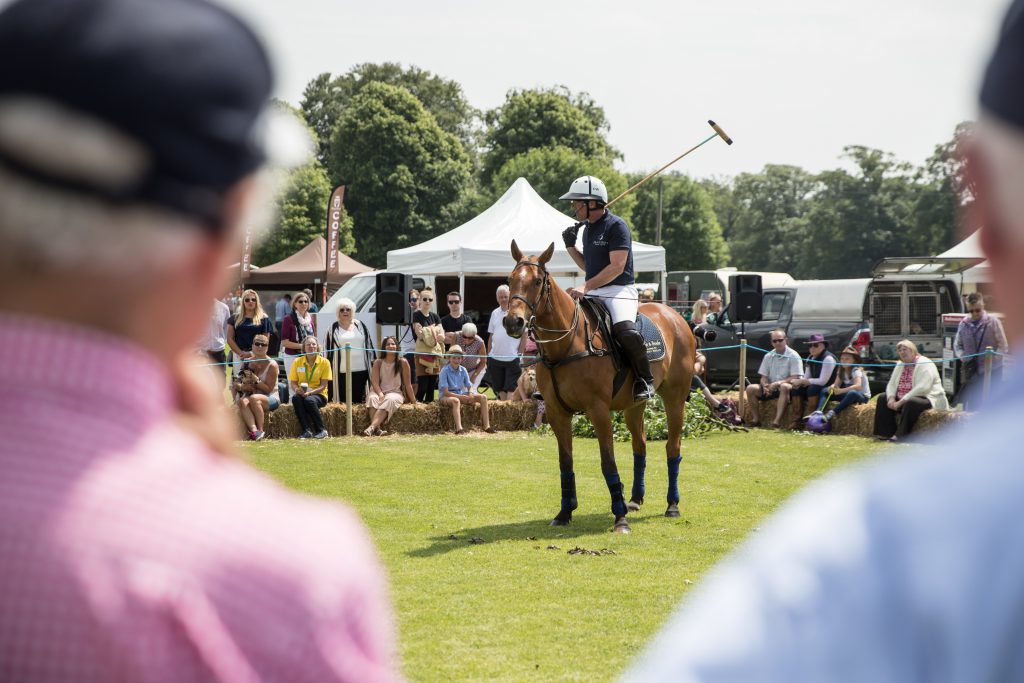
(569, 235)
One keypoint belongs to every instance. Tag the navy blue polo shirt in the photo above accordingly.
(610, 233)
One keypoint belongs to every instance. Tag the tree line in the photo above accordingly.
(418, 159)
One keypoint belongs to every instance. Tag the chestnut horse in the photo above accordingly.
(575, 381)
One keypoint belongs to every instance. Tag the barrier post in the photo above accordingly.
(348, 389)
(334, 368)
(743, 375)
(987, 382)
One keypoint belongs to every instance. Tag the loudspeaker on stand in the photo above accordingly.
(392, 299)
(745, 298)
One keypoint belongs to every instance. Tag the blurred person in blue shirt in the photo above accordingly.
(910, 568)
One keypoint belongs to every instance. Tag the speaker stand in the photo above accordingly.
(743, 366)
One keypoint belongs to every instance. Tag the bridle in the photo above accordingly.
(544, 286)
(544, 293)
(532, 326)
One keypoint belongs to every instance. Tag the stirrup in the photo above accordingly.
(642, 390)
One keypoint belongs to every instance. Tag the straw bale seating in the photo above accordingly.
(423, 418)
(507, 416)
(859, 420)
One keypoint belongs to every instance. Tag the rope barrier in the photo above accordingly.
(377, 352)
(705, 350)
(886, 364)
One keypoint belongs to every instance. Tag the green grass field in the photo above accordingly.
(485, 589)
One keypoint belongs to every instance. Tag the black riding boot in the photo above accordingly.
(632, 343)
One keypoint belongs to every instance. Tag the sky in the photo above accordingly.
(791, 81)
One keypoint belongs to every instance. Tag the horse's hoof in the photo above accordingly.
(561, 521)
(634, 505)
(672, 511)
(621, 526)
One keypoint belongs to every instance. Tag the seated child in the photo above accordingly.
(456, 389)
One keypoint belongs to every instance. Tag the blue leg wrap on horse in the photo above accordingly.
(673, 479)
(568, 491)
(618, 500)
(639, 466)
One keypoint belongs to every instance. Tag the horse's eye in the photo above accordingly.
(537, 281)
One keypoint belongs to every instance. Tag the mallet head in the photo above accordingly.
(721, 133)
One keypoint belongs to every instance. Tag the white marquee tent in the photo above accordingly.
(970, 248)
(482, 245)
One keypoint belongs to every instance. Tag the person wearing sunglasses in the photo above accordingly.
(779, 367)
(819, 374)
(426, 325)
(347, 330)
(256, 388)
(974, 334)
(456, 318)
(249, 320)
(296, 326)
(308, 379)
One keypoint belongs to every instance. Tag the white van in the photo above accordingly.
(362, 290)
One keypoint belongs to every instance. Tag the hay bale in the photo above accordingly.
(422, 418)
(511, 416)
(859, 420)
(282, 423)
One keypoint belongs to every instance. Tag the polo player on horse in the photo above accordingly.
(607, 260)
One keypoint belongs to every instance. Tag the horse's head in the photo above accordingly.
(528, 284)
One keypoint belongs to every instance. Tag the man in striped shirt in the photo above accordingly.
(134, 545)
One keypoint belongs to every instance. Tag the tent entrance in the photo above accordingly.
(478, 300)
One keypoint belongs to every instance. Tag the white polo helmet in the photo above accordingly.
(587, 187)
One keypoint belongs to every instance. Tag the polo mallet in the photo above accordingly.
(719, 133)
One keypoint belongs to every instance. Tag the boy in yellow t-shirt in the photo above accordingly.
(308, 378)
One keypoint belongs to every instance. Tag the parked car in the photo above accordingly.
(834, 308)
(683, 287)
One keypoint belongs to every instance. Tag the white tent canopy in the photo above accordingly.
(482, 245)
(970, 248)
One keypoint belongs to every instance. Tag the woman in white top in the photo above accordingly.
(851, 385)
(349, 331)
(915, 386)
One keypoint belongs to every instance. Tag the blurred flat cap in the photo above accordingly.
(1002, 90)
(178, 88)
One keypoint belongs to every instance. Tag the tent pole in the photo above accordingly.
(462, 290)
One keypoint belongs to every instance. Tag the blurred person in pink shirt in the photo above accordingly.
(134, 546)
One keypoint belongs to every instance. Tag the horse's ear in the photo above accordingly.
(517, 254)
(546, 256)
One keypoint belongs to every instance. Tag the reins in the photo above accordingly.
(545, 293)
(531, 325)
